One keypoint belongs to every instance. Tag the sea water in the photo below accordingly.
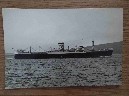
(33, 73)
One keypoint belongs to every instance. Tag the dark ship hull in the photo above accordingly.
(91, 54)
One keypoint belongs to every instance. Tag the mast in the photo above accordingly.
(68, 48)
(30, 49)
(93, 45)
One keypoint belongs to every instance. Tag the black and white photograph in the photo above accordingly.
(62, 47)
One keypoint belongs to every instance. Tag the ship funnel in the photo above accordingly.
(61, 45)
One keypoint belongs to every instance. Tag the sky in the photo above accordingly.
(47, 27)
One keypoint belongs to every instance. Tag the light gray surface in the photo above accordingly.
(63, 72)
(47, 27)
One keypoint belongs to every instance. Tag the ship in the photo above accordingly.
(79, 52)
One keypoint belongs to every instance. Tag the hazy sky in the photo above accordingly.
(47, 27)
